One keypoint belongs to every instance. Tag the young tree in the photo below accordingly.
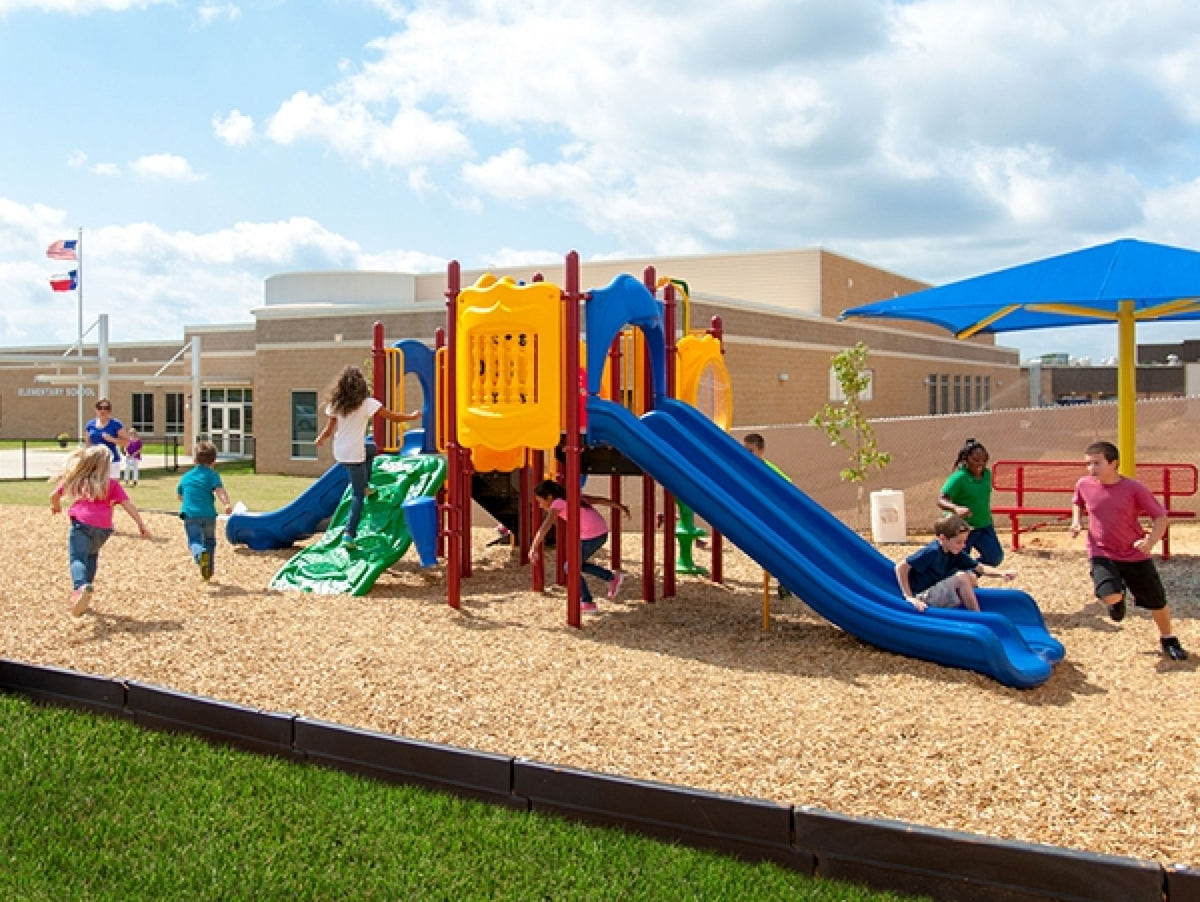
(846, 425)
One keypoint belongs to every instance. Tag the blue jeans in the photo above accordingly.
(985, 541)
(201, 537)
(83, 550)
(360, 475)
(587, 548)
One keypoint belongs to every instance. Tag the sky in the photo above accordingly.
(203, 146)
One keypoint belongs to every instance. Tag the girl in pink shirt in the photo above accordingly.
(593, 533)
(87, 483)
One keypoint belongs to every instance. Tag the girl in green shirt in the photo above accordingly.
(968, 494)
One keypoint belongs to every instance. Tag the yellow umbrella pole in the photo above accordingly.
(1127, 387)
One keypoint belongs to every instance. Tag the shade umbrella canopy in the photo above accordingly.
(1124, 282)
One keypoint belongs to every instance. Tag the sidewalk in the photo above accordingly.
(42, 463)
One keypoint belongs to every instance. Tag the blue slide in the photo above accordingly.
(299, 519)
(825, 563)
(308, 514)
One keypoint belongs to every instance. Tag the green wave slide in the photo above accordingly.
(326, 568)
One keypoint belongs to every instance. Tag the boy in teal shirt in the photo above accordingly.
(197, 509)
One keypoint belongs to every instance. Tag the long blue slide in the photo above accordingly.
(825, 563)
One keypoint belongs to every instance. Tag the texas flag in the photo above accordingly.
(62, 250)
(65, 282)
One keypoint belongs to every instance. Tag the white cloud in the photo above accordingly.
(208, 13)
(403, 138)
(154, 282)
(236, 129)
(167, 167)
(77, 159)
(886, 126)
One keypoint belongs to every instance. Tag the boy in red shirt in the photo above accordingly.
(1118, 547)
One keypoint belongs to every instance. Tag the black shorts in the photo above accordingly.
(1140, 577)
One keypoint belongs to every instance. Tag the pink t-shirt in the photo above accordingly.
(591, 524)
(1113, 511)
(98, 513)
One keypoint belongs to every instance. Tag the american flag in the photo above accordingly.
(62, 250)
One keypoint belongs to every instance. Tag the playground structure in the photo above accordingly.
(512, 379)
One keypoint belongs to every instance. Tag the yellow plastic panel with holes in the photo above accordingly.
(509, 365)
(702, 379)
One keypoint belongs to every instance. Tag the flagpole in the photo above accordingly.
(79, 347)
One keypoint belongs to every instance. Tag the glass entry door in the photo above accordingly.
(228, 415)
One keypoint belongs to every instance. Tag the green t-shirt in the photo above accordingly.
(964, 489)
(777, 470)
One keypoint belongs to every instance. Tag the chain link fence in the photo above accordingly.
(924, 449)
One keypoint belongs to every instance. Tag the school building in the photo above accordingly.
(256, 389)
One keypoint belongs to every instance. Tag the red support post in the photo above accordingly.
(571, 447)
(526, 527)
(669, 325)
(649, 590)
(529, 512)
(453, 452)
(378, 382)
(614, 491)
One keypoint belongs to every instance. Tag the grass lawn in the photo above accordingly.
(98, 809)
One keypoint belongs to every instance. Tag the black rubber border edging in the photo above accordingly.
(944, 864)
(64, 687)
(395, 759)
(178, 712)
(749, 828)
(961, 866)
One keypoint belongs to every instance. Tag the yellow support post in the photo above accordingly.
(1127, 387)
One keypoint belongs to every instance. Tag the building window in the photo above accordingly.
(958, 404)
(987, 392)
(837, 396)
(944, 399)
(174, 422)
(142, 412)
(978, 393)
(931, 383)
(304, 425)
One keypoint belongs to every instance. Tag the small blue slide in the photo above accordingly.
(308, 514)
(838, 574)
(303, 517)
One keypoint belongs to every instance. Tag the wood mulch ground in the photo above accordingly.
(691, 690)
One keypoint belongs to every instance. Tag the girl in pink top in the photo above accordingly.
(87, 483)
(593, 533)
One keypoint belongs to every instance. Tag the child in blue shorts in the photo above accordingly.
(943, 574)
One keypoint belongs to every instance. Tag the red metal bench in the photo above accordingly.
(1035, 483)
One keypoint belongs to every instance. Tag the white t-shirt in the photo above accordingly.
(348, 445)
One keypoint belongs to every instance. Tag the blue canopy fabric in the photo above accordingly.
(1125, 282)
(1075, 289)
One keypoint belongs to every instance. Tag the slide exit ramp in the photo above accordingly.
(836, 572)
(299, 519)
(327, 568)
